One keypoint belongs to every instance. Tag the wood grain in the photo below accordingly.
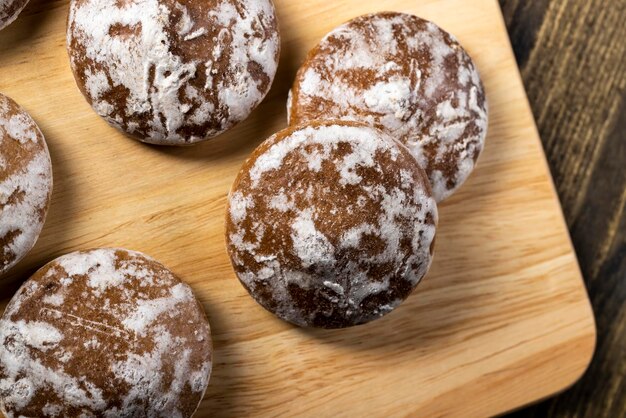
(573, 59)
(502, 320)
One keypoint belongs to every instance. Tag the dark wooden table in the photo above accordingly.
(572, 55)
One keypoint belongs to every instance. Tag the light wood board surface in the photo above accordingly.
(502, 319)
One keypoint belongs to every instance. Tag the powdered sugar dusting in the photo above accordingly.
(347, 218)
(103, 271)
(238, 96)
(404, 75)
(310, 245)
(239, 206)
(25, 183)
(367, 141)
(20, 127)
(10, 10)
(280, 202)
(148, 311)
(24, 373)
(84, 341)
(175, 47)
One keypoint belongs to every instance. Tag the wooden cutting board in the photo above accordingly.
(502, 320)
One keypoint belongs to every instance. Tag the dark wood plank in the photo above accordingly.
(572, 55)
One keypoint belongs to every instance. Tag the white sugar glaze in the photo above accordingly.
(25, 184)
(133, 44)
(402, 209)
(423, 91)
(10, 10)
(136, 339)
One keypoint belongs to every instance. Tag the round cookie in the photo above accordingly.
(25, 183)
(331, 224)
(173, 72)
(104, 333)
(10, 10)
(406, 76)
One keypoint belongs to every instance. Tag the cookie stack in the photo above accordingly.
(331, 222)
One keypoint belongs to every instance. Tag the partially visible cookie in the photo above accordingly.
(104, 333)
(404, 75)
(331, 224)
(25, 183)
(10, 10)
(173, 72)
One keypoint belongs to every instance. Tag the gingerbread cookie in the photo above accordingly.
(10, 10)
(404, 75)
(25, 183)
(104, 333)
(173, 72)
(331, 224)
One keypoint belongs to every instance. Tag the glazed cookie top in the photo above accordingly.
(406, 76)
(10, 10)
(173, 72)
(25, 183)
(331, 224)
(104, 333)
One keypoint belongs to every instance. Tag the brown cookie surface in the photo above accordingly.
(104, 333)
(173, 72)
(25, 183)
(331, 224)
(10, 10)
(406, 76)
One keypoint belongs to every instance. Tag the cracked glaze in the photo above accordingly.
(406, 76)
(25, 183)
(104, 333)
(173, 72)
(331, 224)
(10, 10)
